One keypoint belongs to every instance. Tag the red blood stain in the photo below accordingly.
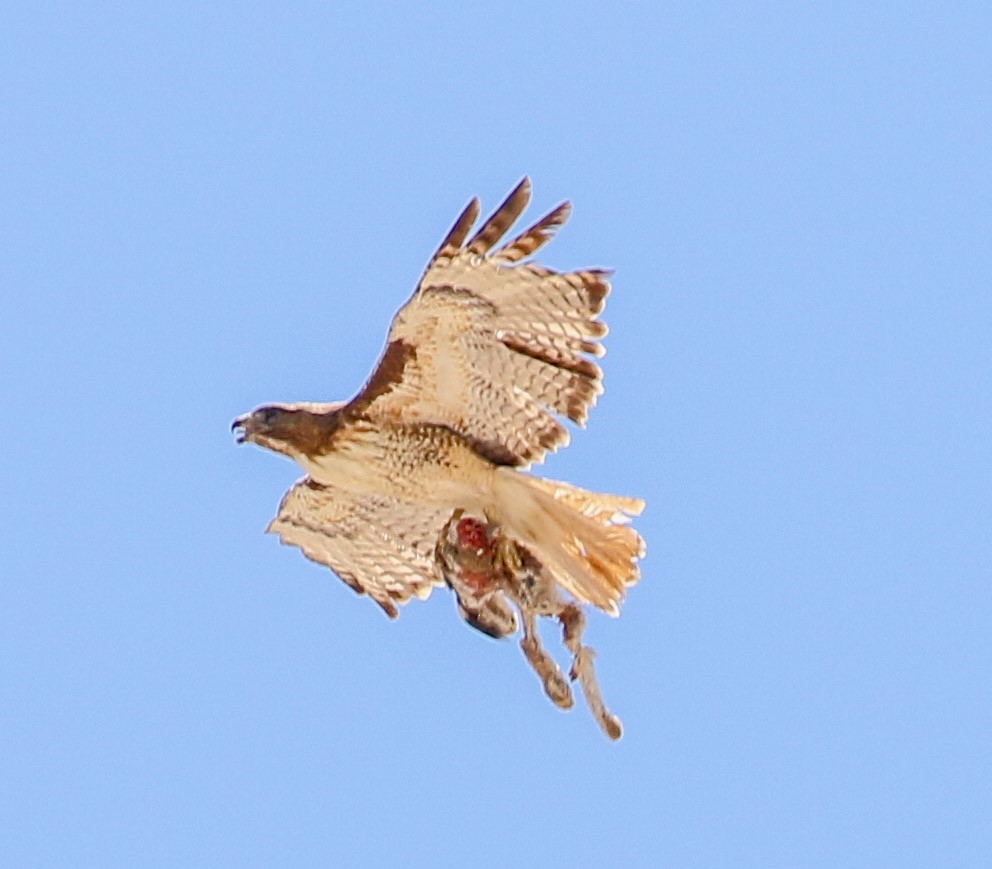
(472, 533)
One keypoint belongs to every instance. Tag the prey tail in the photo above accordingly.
(581, 537)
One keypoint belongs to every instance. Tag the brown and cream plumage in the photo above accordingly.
(481, 366)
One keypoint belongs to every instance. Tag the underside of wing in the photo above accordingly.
(496, 347)
(380, 546)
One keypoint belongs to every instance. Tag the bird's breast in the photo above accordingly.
(424, 464)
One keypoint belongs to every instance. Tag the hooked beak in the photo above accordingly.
(240, 428)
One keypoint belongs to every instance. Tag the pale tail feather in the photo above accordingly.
(580, 536)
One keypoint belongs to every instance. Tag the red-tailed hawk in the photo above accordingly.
(419, 480)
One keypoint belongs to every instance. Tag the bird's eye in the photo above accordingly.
(269, 414)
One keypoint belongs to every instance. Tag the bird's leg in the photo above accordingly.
(506, 556)
(555, 684)
(573, 624)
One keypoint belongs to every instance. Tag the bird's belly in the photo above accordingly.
(424, 471)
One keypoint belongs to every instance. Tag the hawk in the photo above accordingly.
(419, 480)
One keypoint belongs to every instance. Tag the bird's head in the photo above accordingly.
(266, 426)
(288, 429)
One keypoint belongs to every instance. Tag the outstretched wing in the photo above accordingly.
(493, 346)
(380, 546)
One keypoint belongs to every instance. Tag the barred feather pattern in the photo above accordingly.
(379, 545)
(500, 348)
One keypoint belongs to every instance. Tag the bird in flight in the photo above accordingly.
(420, 479)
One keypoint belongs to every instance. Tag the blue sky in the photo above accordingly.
(209, 206)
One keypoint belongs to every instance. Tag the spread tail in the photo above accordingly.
(581, 537)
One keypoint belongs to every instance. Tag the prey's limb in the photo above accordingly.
(491, 574)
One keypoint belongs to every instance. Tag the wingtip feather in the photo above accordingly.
(535, 237)
(459, 231)
(502, 219)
